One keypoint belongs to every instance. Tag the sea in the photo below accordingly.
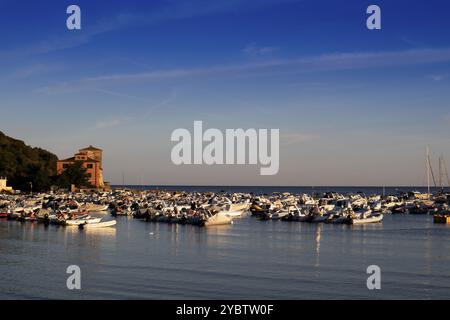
(373, 190)
(249, 259)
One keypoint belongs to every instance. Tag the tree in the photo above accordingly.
(23, 165)
(76, 175)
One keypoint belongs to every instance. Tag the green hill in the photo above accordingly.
(23, 164)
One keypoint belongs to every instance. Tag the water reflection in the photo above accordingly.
(318, 236)
(154, 260)
(104, 232)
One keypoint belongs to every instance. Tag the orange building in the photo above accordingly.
(92, 160)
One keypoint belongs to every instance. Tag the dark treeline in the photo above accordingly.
(26, 167)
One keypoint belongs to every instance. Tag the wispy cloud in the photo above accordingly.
(161, 104)
(111, 122)
(60, 88)
(324, 62)
(438, 77)
(171, 10)
(35, 69)
(318, 63)
(288, 139)
(254, 50)
(116, 94)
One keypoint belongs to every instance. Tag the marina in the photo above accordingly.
(225, 155)
(207, 209)
(143, 249)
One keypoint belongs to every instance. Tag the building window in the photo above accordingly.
(89, 175)
(90, 166)
(65, 165)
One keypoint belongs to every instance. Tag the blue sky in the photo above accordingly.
(354, 107)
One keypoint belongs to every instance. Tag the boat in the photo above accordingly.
(91, 207)
(341, 219)
(371, 219)
(441, 218)
(217, 219)
(83, 220)
(318, 218)
(442, 215)
(234, 214)
(104, 224)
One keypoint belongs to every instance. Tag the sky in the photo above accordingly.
(354, 106)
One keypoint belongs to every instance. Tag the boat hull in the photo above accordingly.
(373, 219)
(105, 224)
(441, 219)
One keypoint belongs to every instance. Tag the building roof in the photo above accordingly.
(72, 159)
(91, 148)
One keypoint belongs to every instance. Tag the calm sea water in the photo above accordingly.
(250, 259)
(271, 189)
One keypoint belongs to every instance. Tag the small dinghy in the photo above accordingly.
(104, 224)
(441, 218)
(86, 220)
(341, 220)
(370, 219)
(279, 215)
(218, 219)
(90, 207)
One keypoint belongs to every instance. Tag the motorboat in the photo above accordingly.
(104, 224)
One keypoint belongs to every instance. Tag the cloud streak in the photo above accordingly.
(288, 139)
(438, 77)
(324, 62)
(173, 10)
(110, 122)
(253, 50)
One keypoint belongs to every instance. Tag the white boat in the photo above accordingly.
(233, 214)
(371, 219)
(376, 206)
(91, 207)
(85, 220)
(218, 219)
(104, 224)
(279, 214)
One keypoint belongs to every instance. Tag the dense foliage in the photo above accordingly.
(73, 175)
(26, 167)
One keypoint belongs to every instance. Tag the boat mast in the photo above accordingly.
(428, 172)
(441, 182)
(445, 170)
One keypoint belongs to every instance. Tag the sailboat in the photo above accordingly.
(442, 216)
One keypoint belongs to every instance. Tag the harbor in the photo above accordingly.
(185, 242)
(205, 209)
(251, 258)
(225, 159)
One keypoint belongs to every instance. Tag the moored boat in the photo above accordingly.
(104, 224)
(82, 220)
(217, 219)
(441, 219)
(371, 219)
